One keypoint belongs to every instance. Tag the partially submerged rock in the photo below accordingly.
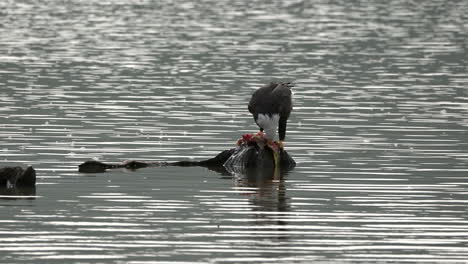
(246, 158)
(17, 177)
(257, 151)
(250, 153)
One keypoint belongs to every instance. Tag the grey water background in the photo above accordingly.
(378, 130)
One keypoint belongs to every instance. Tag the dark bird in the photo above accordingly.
(270, 106)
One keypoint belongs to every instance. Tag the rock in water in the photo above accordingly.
(245, 157)
(252, 151)
(257, 151)
(241, 157)
(17, 176)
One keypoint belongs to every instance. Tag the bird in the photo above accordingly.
(271, 106)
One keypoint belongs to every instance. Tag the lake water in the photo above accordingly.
(379, 131)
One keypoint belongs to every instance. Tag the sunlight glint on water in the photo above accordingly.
(378, 131)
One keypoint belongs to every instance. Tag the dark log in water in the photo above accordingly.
(241, 157)
(17, 177)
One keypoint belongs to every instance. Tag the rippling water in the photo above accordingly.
(379, 131)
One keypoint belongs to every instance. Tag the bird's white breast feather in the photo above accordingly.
(269, 124)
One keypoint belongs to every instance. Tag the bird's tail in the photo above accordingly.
(289, 84)
(282, 85)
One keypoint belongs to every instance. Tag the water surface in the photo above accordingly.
(378, 131)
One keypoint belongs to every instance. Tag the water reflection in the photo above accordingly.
(268, 183)
(266, 191)
(27, 193)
